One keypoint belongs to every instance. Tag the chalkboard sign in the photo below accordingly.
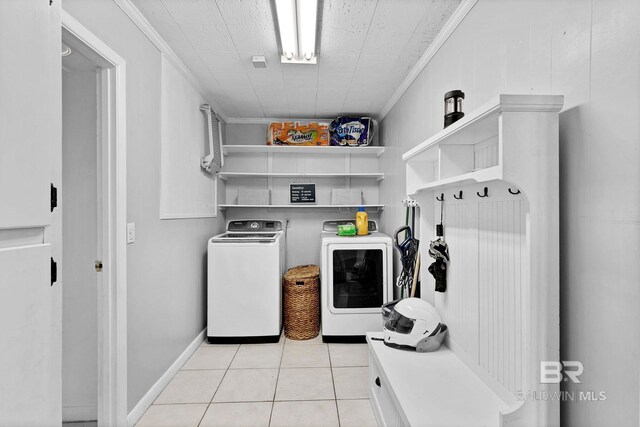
(302, 193)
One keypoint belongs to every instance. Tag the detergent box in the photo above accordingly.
(289, 133)
(352, 131)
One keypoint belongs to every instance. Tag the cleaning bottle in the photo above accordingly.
(362, 222)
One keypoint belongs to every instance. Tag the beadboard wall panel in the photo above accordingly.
(486, 283)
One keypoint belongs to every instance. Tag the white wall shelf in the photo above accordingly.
(305, 206)
(226, 175)
(367, 150)
(471, 150)
(501, 304)
(273, 168)
(482, 175)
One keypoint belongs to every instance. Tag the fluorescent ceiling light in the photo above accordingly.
(297, 21)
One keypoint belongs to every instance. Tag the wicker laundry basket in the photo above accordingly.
(302, 302)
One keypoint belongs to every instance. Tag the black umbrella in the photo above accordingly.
(408, 250)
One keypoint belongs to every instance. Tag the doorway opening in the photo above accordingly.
(81, 189)
(93, 193)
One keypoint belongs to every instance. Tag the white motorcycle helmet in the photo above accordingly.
(414, 324)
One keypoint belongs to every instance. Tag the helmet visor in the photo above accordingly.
(399, 323)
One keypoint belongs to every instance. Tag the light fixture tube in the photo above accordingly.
(307, 11)
(286, 11)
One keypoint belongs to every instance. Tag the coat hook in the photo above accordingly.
(441, 198)
(459, 197)
(486, 193)
(514, 192)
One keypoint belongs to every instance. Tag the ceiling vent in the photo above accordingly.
(259, 61)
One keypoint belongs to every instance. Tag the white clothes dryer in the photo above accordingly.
(356, 279)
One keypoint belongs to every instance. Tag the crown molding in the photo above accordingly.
(446, 31)
(268, 120)
(147, 29)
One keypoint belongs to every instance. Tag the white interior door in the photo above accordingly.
(30, 85)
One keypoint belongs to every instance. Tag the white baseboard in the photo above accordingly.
(79, 413)
(155, 390)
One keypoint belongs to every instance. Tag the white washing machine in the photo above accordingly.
(356, 279)
(244, 274)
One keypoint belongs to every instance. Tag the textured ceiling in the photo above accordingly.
(367, 48)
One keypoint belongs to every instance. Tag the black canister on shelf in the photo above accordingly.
(453, 107)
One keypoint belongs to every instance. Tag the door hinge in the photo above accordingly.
(54, 271)
(54, 197)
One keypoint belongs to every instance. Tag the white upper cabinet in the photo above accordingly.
(30, 135)
(30, 85)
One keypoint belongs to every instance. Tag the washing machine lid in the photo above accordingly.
(250, 231)
(254, 226)
(248, 237)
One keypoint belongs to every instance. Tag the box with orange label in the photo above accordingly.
(288, 133)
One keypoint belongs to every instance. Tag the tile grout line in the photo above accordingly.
(275, 390)
(333, 381)
(218, 387)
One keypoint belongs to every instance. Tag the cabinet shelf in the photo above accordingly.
(472, 149)
(226, 175)
(304, 206)
(482, 175)
(287, 149)
(256, 166)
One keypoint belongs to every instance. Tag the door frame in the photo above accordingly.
(112, 209)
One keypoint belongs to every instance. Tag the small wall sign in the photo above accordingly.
(302, 193)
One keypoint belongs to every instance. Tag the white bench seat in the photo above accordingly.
(428, 389)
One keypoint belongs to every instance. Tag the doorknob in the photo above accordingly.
(98, 265)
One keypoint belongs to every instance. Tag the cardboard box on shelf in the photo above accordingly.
(289, 133)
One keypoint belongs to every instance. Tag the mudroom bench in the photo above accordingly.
(428, 389)
(493, 178)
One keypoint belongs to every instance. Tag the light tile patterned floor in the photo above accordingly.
(291, 383)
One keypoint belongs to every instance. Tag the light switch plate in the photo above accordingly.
(131, 232)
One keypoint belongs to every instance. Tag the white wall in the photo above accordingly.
(587, 51)
(166, 265)
(79, 235)
(185, 188)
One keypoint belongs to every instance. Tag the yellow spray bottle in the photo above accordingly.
(362, 222)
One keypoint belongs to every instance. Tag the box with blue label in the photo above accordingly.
(352, 131)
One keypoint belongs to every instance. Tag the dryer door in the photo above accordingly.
(357, 278)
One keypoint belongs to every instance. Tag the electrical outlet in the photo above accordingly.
(131, 232)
